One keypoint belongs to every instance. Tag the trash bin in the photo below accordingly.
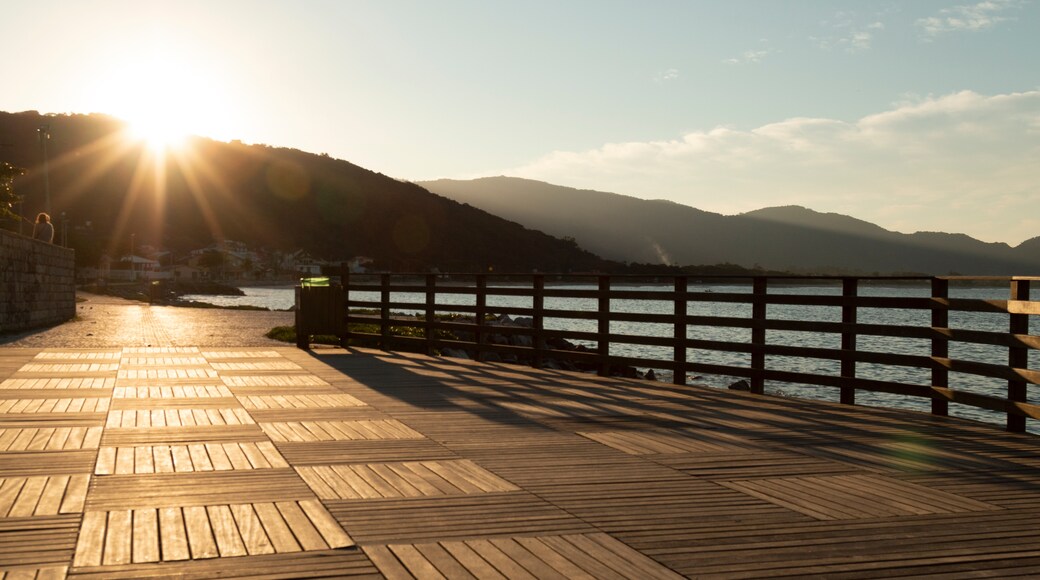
(319, 309)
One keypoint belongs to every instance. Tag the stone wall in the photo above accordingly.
(37, 283)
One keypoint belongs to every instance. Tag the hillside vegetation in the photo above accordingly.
(788, 238)
(268, 197)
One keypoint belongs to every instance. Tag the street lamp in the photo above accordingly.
(45, 135)
(133, 274)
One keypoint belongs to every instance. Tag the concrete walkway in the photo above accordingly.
(106, 321)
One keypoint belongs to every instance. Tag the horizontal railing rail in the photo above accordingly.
(546, 319)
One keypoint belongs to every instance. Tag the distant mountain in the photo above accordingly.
(281, 199)
(788, 238)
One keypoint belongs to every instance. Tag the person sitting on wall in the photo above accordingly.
(43, 230)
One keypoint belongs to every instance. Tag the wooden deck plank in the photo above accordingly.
(91, 544)
(326, 525)
(226, 533)
(118, 536)
(145, 536)
(304, 531)
(52, 495)
(387, 563)
(200, 533)
(279, 533)
(173, 535)
(461, 468)
(416, 564)
(254, 537)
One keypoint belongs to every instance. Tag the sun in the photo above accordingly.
(159, 132)
(163, 98)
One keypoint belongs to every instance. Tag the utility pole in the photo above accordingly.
(45, 135)
(133, 274)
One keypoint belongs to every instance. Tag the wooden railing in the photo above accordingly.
(412, 302)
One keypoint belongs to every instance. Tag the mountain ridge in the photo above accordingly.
(792, 238)
(114, 196)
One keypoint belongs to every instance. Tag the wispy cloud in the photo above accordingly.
(961, 162)
(967, 17)
(666, 75)
(749, 56)
(848, 34)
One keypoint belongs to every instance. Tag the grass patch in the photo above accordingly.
(288, 334)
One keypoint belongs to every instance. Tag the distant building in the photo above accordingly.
(188, 273)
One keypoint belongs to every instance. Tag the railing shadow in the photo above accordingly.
(872, 439)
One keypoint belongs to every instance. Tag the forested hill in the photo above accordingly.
(791, 238)
(268, 197)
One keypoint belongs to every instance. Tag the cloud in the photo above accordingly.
(666, 75)
(968, 17)
(962, 162)
(850, 36)
(749, 57)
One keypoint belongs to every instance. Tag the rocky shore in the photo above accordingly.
(168, 293)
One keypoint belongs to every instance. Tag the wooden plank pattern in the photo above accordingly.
(452, 517)
(59, 383)
(406, 479)
(177, 417)
(313, 564)
(49, 438)
(76, 405)
(171, 392)
(257, 402)
(256, 366)
(195, 488)
(461, 469)
(838, 497)
(42, 495)
(38, 542)
(189, 458)
(273, 381)
(313, 431)
(119, 537)
(593, 555)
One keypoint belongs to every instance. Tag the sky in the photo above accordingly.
(917, 116)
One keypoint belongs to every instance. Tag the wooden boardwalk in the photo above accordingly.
(194, 462)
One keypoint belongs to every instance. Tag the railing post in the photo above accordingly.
(481, 300)
(848, 338)
(603, 328)
(758, 335)
(1018, 356)
(538, 319)
(940, 342)
(344, 280)
(384, 312)
(679, 348)
(431, 312)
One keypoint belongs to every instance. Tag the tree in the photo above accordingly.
(211, 260)
(7, 195)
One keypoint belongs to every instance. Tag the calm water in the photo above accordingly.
(283, 298)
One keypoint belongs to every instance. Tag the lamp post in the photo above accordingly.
(133, 274)
(45, 135)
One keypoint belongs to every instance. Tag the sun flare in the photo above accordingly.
(163, 98)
